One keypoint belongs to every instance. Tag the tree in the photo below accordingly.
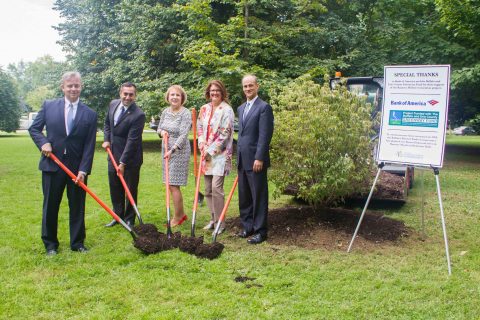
(320, 146)
(9, 103)
(38, 80)
(462, 26)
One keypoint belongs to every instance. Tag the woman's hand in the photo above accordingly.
(168, 154)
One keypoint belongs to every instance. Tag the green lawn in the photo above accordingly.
(115, 281)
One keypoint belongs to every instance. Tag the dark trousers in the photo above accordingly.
(253, 200)
(53, 184)
(120, 202)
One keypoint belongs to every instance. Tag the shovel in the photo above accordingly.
(167, 185)
(195, 165)
(94, 196)
(225, 208)
(127, 191)
(195, 201)
(213, 250)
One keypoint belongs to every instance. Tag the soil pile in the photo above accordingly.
(327, 228)
(150, 241)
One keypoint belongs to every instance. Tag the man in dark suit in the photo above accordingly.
(254, 136)
(123, 134)
(71, 128)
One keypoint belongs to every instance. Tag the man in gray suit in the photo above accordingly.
(123, 131)
(253, 158)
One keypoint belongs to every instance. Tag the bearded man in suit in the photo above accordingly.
(123, 131)
(253, 158)
(71, 129)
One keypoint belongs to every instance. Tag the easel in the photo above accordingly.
(436, 172)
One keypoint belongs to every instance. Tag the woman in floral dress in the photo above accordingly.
(215, 140)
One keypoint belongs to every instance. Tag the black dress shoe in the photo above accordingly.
(111, 224)
(80, 249)
(256, 239)
(245, 234)
(52, 252)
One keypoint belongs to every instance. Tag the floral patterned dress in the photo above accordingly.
(215, 130)
(177, 124)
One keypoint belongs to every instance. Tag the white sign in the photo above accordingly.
(414, 115)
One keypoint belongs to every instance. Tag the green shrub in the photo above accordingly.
(475, 123)
(320, 145)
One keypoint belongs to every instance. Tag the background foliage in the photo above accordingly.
(156, 43)
(9, 103)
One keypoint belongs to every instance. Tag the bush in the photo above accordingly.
(9, 104)
(320, 145)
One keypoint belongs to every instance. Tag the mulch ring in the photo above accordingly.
(328, 228)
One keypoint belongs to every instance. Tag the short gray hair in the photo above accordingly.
(70, 75)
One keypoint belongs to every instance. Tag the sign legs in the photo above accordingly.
(436, 171)
(380, 166)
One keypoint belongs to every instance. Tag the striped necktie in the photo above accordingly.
(247, 108)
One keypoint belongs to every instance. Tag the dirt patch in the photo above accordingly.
(243, 279)
(327, 228)
(150, 241)
(389, 186)
(190, 244)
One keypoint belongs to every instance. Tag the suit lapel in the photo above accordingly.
(241, 110)
(61, 107)
(112, 113)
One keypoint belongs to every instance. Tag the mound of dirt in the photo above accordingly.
(389, 187)
(328, 228)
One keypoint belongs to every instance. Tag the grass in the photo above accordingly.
(113, 280)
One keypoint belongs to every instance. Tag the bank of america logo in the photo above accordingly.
(432, 102)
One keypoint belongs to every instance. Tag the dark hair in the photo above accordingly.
(128, 84)
(219, 84)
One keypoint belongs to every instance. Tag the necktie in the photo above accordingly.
(70, 118)
(247, 108)
(122, 111)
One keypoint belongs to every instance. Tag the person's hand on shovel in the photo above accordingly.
(169, 152)
(46, 149)
(80, 177)
(121, 167)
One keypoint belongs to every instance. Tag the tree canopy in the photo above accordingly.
(156, 43)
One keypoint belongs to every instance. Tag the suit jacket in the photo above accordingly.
(79, 145)
(126, 136)
(254, 134)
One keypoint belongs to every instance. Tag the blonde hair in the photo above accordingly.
(179, 88)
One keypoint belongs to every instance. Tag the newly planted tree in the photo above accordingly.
(320, 146)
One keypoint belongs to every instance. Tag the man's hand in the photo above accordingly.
(121, 169)
(257, 165)
(106, 145)
(80, 178)
(46, 149)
